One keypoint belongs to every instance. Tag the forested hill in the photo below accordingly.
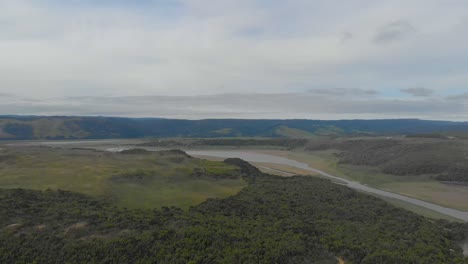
(38, 127)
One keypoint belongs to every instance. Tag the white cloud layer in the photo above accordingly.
(370, 51)
(279, 106)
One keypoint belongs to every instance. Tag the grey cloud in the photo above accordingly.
(121, 51)
(346, 36)
(343, 91)
(394, 31)
(251, 32)
(463, 96)
(230, 47)
(6, 95)
(418, 91)
(286, 105)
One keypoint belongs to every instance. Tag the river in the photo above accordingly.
(465, 248)
(115, 145)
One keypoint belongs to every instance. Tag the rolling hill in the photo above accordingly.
(58, 127)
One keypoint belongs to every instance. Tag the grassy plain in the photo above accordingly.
(420, 210)
(182, 194)
(94, 172)
(422, 187)
(147, 180)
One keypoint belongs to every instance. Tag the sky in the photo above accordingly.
(355, 59)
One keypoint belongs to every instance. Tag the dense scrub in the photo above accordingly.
(273, 220)
(21, 131)
(457, 174)
(277, 142)
(402, 158)
(444, 159)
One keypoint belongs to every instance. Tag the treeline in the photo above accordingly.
(62, 127)
(401, 158)
(444, 159)
(428, 135)
(275, 142)
(459, 174)
(273, 220)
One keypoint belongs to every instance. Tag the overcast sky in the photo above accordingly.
(195, 59)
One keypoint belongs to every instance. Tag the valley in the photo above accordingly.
(287, 160)
(151, 188)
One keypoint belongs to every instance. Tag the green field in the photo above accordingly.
(422, 187)
(419, 210)
(422, 168)
(272, 220)
(405, 165)
(139, 180)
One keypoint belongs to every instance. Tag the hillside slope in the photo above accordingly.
(32, 127)
(274, 220)
(133, 178)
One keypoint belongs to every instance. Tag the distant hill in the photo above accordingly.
(62, 127)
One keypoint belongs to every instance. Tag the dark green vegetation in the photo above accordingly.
(456, 174)
(273, 220)
(134, 178)
(429, 169)
(31, 127)
(219, 142)
(437, 158)
(122, 210)
(442, 159)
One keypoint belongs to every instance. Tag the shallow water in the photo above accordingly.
(119, 145)
(465, 248)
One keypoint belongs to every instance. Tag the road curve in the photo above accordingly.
(265, 158)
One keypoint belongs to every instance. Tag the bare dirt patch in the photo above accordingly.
(13, 226)
(76, 226)
(282, 170)
(40, 227)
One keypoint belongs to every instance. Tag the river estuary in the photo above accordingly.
(251, 156)
(265, 158)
